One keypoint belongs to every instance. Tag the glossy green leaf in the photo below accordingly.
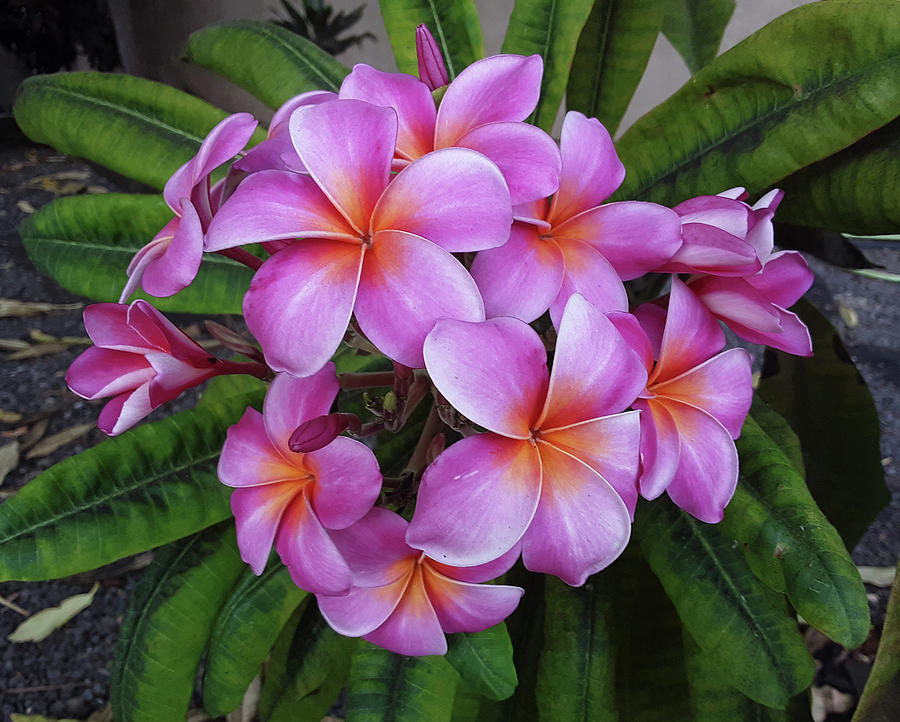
(549, 28)
(141, 129)
(696, 27)
(484, 660)
(734, 618)
(149, 486)
(576, 676)
(268, 61)
(169, 621)
(854, 191)
(468, 705)
(307, 669)
(779, 525)
(828, 386)
(85, 243)
(455, 26)
(779, 430)
(881, 697)
(388, 686)
(244, 633)
(611, 57)
(771, 105)
(830, 246)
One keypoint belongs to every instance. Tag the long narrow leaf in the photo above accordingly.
(696, 27)
(485, 661)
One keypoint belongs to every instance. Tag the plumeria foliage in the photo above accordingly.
(505, 435)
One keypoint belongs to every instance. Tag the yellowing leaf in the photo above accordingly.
(42, 624)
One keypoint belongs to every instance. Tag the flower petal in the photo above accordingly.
(177, 267)
(476, 500)
(348, 482)
(363, 609)
(257, 513)
(291, 400)
(591, 275)
(736, 302)
(464, 607)
(249, 459)
(300, 301)
(581, 524)
(407, 284)
(479, 572)
(494, 372)
(660, 448)
(375, 548)
(107, 325)
(785, 278)
(100, 372)
(125, 410)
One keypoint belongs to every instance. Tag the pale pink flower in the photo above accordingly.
(576, 243)
(142, 360)
(292, 499)
(405, 602)
(558, 466)
(366, 244)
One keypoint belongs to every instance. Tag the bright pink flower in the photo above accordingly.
(405, 602)
(694, 405)
(482, 109)
(171, 260)
(291, 498)
(432, 70)
(558, 466)
(576, 244)
(379, 250)
(142, 360)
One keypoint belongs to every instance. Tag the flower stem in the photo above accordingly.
(242, 256)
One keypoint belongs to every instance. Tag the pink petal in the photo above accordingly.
(630, 329)
(363, 609)
(300, 301)
(595, 372)
(591, 169)
(249, 459)
(581, 524)
(634, 236)
(272, 205)
(108, 326)
(721, 212)
(271, 154)
(792, 337)
(407, 284)
(175, 375)
(707, 466)
(660, 448)
(455, 198)
(588, 273)
(125, 410)
(281, 119)
(375, 548)
(306, 549)
(100, 372)
(476, 500)
(290, 401)
(761, 234)
(347, 147)
(520, 278)
(720, 386)
(174, 270)
(610, 446)
(494, 372)
(348, 482)
(432, 70)
(480, 572)
(785, 278)
(463, 607)
(408, 96)
(526, 155)
(712, 250)
(498, 88)
(258, 511)
(737, 303)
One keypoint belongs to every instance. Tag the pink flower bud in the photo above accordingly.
(317, 433)
(432, 70)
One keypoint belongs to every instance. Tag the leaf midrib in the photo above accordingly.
(268, 34)
(127, 251)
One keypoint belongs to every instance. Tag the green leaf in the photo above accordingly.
(141, 129)
(455, 26)
(853, 191)
(388, 686)
(779, 430)
(147, 487)
(611, 57)
(270, 62)
(245, 632)
(484, 660)
(85, 243)
(551, 29)
(881, 697)
(776, 520)
(771, 105)
(734, 618)
(831, 247)
(696, 27)
(307, 669)
(169, 621)
(576, 676)
(828, 386)
(42, 624)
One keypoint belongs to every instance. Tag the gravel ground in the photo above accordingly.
(67, 674)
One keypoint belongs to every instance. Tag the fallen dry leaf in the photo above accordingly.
(9, 417)
(9, 458)
(41, 337)
(55, 441)
(93, 190)
(13, 344)
(878, 576)
(42, 624)
(35, 433)
(36, 351)
(848, 315)
(25, 207)
(12, 307)
(37, 718)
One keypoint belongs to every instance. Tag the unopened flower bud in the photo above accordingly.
(432, 70)
(317, 433)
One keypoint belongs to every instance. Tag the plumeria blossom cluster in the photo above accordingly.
(482, 259)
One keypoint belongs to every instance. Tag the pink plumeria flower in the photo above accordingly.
(368, 245)
(404, 601)
(482, 109)
(432, 70)
(575, 243)
(171, 260)
(558, 466)
(292, 499)
(140, 359)
(694, 405)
